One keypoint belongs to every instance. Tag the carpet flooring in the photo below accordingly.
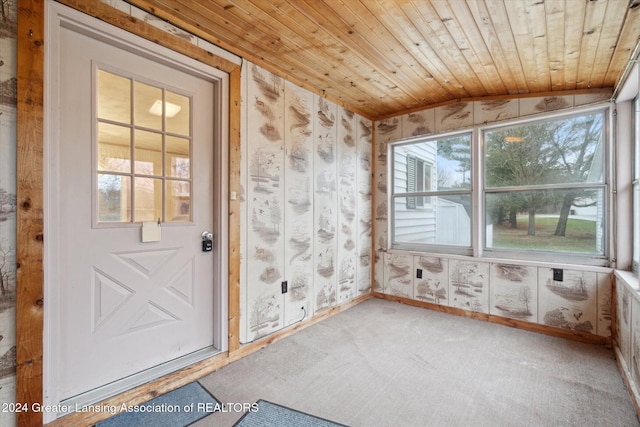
(382, 363)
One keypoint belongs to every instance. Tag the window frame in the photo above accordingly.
(604, 185)
(478, 192)
(392, 195)
(132, 174)
(635, 185)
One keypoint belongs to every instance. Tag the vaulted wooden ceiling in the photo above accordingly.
(384, 57)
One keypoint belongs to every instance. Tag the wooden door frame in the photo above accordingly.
(30, 194)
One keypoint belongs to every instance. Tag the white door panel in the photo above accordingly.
(126, 306)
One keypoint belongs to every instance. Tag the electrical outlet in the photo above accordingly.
(419, 273)
(558, 275)
(284, 287)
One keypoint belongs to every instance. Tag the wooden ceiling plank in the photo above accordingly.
(372, 17)
(333, 23)
(573, 28)
(611, 27)
(258, 33)
(487, 32)
(405, 47)
(555, 18)
(202, 22)
(593, 21)
(394, 17)
(524, 35)
(437, 35)
(506, 39)
(380, 56)
(538, 20)
(347, 76)
(627, 41)
(441, 70)
(464, 30)
(283, 12)
(333, 65)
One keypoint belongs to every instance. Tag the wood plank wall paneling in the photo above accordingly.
(234, 209)
(30, 213)
(30, 219)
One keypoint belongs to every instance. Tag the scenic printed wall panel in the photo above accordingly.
(499, 294)
(399, 275)
(8, 98)
(604, 304)
(514, 292)
(433, 286)
(495, 110)
(419, 123)
(363, 197)
(298, 206)
(386, 130)
(326, 202)
(530, 106)
(634, 365)
(454, 116)
(306, 204)
(591, 98)
(570, 304)
(469, 285)
(265, 194)
(623, 321)
(347, 257)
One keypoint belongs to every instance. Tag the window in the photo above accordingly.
(431, 200)
(544, 186)
(636, 185)
(143, 151)
(541, 189)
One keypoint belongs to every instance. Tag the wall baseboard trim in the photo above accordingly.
(167, 383)
(261, 343)
(512, 323)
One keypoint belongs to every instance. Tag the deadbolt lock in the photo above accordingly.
(207, 241)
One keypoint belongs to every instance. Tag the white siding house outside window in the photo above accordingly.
(418, 181)
(431, 198)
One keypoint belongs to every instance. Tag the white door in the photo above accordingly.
(136, 144)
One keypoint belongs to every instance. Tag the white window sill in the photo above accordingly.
(629, 278)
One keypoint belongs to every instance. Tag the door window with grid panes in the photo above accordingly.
(143, 151)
